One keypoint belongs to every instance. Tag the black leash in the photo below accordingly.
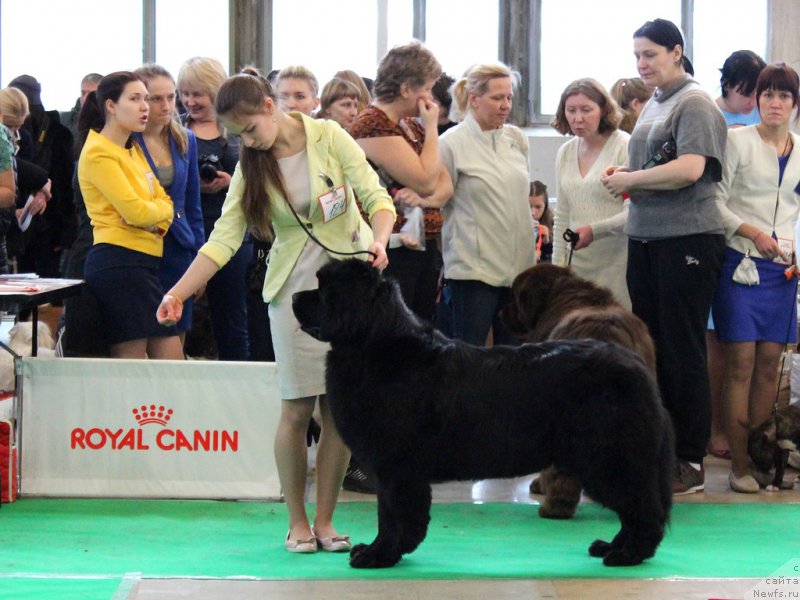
(571, 238)
(316, 241)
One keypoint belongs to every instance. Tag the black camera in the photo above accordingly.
(668, 152)
(209, 164)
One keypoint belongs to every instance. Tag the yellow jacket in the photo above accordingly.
(333, 153)
(123, 197)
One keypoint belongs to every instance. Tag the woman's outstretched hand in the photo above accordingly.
(170, 310)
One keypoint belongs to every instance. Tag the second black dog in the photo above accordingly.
(415, 407)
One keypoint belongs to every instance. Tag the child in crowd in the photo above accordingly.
(543, 216)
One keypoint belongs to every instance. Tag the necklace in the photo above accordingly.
(785, 146)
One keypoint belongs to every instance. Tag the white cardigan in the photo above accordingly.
(749, 188)
(583, 200)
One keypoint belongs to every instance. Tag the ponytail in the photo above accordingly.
(92, 116)
(244, 95)
(93, 113)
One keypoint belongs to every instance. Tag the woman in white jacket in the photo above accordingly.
(760, 205)
(487, 236)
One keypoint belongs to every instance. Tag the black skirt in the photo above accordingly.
(128, 291)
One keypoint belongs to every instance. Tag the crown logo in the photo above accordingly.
(152, 414)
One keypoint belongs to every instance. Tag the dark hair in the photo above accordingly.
(592, 89)
(740, 70)
(441, 91)
(540, 189)
(93, 113)
(241, 96)
(411, 63)
(780, 77)
(665, 33)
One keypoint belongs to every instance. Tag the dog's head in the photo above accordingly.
(21, 337)
(543, 294)
(353, 302)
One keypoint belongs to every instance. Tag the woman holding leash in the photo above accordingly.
(588, 113)
(676, 243)
(293, 170)
(760, 205)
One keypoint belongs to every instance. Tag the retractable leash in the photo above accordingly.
(780, 453)
(571, 238)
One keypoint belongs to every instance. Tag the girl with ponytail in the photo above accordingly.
(292, 163)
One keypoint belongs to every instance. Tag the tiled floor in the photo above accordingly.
(512, 490)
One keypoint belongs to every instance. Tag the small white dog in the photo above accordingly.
(21, 338)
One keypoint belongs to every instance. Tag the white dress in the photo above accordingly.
(582, 200)
(300, 359)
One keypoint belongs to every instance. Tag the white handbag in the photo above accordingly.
(746, 272)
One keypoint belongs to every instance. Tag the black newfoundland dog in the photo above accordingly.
(415, 407)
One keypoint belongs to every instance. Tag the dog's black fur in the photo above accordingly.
(769, 444)
(415, 407)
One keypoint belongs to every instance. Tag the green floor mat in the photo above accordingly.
(84, 539)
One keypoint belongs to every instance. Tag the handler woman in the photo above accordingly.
(130, 214)
(760, 206)
(676, 242)
(291, 162)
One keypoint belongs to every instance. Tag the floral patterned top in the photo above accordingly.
(373, 122)
(6, 151)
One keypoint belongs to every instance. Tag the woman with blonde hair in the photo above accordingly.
(588, 113)
(276, 183)
(199, 80)
(298, 89)
(28, 177)
(339, 102)
(171, 151)
(630, 94)
(487, 236)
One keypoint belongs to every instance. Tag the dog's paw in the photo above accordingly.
(621, 557)
(363, 556)
(599, 549)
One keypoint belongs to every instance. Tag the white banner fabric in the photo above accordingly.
(149, 428)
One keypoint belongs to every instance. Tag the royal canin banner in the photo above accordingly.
(149, 429)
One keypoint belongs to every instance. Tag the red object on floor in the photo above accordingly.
(8, 463)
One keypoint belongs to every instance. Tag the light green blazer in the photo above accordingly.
(332, 153)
